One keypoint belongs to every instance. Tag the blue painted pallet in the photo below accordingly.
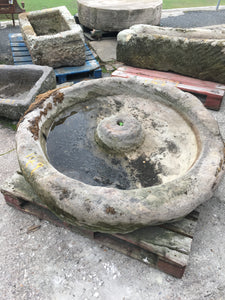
(20, 53)
(91, 68)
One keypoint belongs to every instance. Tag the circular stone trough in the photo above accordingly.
(116, 15)
(115, 155)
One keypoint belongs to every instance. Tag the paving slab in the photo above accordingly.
(105, 49)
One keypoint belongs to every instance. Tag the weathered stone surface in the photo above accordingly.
(117, 15)
(120, 133)
(194, 52)
(189, 173)
(19, 85)
(52, 37)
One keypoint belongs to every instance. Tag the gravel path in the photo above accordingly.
(195, 19)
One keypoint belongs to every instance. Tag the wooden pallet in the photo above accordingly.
(213, 92)
(90, 69)
(165, 247)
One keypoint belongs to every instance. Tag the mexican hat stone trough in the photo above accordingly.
(115, 155)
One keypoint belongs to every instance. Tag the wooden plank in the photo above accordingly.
(126, 248)
(213, 91)
(185, 227)
(21, 53)
(97, 73)
(15, 37)
(87, 67)
(23, 63)
(22, 59)
(91, 68)
(171, 76)
(17, 44)
(16, 49)
(167, 244)
(43, 213)
(89, 57)
(171, 269)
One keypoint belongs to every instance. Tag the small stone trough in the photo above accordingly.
(116, 15)
(128, 154)
(52, 37)
(195, 52)
(19, 85)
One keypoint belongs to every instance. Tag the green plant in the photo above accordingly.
(8, 123)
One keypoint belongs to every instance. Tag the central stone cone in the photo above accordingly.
(120, 133)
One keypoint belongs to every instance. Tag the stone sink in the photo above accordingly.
(115, 155)
(52, 37)
(19, 85)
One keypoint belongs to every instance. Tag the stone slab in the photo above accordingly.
(52, 37)
(193, 52)
(117, 15)
(105, 49)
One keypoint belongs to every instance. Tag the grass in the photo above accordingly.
(7, 123)
(72, 4)
(31, 5)
(41, 4)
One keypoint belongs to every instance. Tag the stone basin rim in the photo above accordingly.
(109, 209)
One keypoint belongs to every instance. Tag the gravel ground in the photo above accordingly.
(55, 264)
(193, 18)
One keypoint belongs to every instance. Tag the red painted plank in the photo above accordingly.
(213, 91)
(176, 271)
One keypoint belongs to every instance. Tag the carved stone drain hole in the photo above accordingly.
(120, 123)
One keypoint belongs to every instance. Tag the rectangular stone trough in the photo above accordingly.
(195, 52)
(52, 37)
(19, 85)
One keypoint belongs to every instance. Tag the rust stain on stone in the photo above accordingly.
(58, 98)
(110, 210)
(38, 103)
